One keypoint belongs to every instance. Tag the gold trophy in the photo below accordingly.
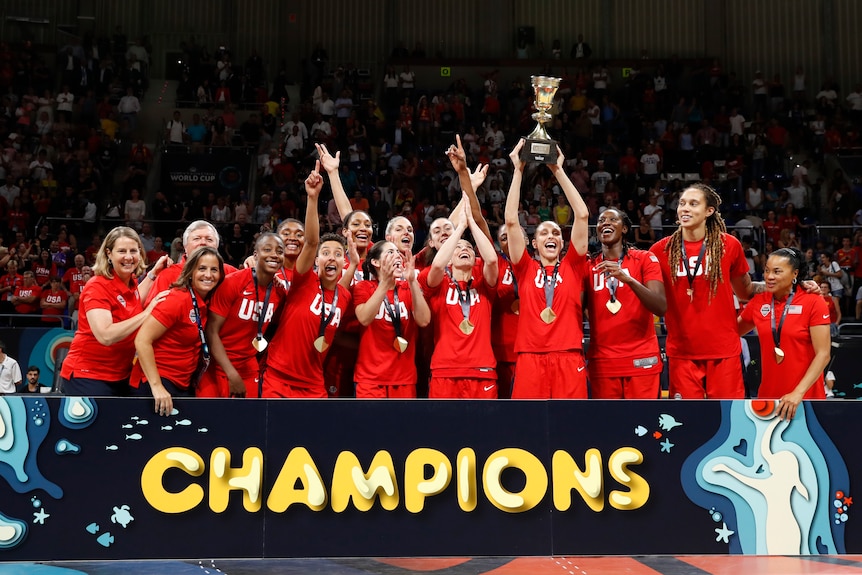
(539, 147)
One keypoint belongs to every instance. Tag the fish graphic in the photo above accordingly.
(203, 430)
(143, 422)
(183, 422)
(128, 426)
(667, 422)
(135, 417)
(640, 430)
(134, 436)
(111, 448)
(166, 428)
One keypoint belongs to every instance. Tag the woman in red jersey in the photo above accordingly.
(504, 319)
(177, 324)
(110, 313)
(549, 344)
(314, 308)
(390, 306)
(624, 292)
(462, 365)
(793, 330)
(240, 313)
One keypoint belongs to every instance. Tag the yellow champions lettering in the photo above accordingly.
(349, 482)
(180, 458)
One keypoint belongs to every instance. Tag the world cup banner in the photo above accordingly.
(107, 478)
(218, 170)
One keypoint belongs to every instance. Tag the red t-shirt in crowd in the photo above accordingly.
(566, 333)
(378, 362)
(805, 310)
(27, 291)
(178, 350)
(87, 357)
(704, 328)
(622, 344)
(456, 354)
(51, 296)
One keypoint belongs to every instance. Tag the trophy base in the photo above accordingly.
(539, 151)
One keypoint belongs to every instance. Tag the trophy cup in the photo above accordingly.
(539, 147)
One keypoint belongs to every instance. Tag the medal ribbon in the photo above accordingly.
(514, 279)
(325, 320)
(776, 333)
(549, 284)
(205, 348)
(261, 314)
(463, 295)
(612, 282)
(688, 271)
(394, 310)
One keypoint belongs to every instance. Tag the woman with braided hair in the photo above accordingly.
(703, 268)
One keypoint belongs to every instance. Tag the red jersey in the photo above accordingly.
(74, 279)
(504, 321)
(87, 357)
(27, 291)
(805, 310)
(857, 271)
(846, 258)
(830, 305)
(292, 354)
(12, 281)
(177, 314)
(51, 296)
(43, 273)
(235, 301)
(285, 276)
(566, 332)
(773, 231)
(378, 362)
(686, 319)
(171, 274)
(456, 354)
(622, 344)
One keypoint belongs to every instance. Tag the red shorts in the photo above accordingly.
(276, 384)
(626, 387)
(338, 369)
(505, 377)
(214, 383)
(374, 391)
(553, 375)
(462, 388)
(705, 378)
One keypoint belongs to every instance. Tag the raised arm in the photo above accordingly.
(517, 243)
(444, 254)
(107, 332)
(330, 164)
(580, 226)
(365, 312)
(458, 159)
(421, 311)
(313, 185)
(490, 269)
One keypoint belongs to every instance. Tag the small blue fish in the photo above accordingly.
(128, 426)
(667, 422)
(135, 417)
(640, 430)
(166, 428)
(857, 385)
(203, 430)
(111, 448)
(134, 436)
(175, 411)
(143, 422)
(183, 422)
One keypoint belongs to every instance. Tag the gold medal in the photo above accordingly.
(320, 344)
(516, 307)
(466, 326)
(690, 293)
(259, 343)
(548, 315)
(400, 344)
(613, 306)
(779, 354)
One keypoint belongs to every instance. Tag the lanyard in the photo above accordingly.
(514, 279)
(325, 319)
(394, 310)
(549, 284)
(688, 271)
(262, 313)
(612, 282)
(776, 332)
(204, 347)
(463, 295)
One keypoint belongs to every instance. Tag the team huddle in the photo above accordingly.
(314, 316)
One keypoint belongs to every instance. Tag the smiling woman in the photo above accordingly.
(177, 324)
(100, 357)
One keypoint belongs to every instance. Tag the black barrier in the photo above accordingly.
(108, 479)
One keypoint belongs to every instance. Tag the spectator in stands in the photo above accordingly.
(100, 357)
(175, 130)
(25, 298)
(32, 385)
(129, 107)
(54, 300)
(135, 210)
